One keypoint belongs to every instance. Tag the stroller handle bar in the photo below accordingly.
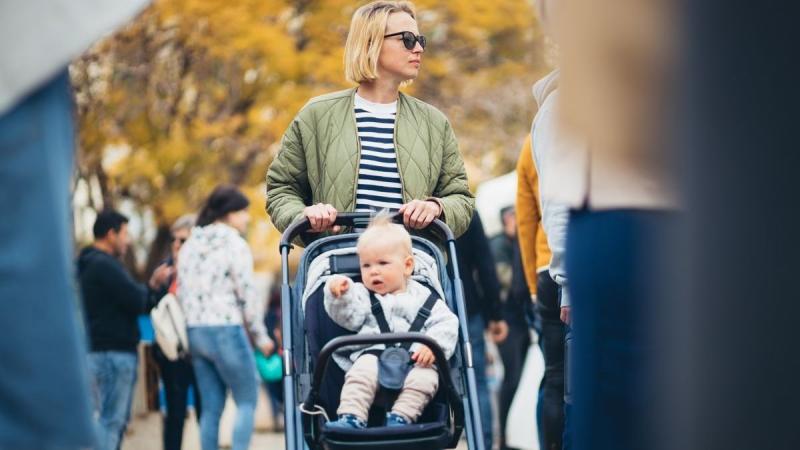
(355, 219)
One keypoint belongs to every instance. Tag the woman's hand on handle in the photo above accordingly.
(419, 214)
(321, 216)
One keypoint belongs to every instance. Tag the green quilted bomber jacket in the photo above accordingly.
(320, 152)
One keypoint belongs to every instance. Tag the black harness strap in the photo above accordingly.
(419, 321)
(387, 371)
(377, 311)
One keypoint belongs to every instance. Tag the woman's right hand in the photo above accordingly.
(321, 216)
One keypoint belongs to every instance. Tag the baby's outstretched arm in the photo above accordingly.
(346, 303)
(339, 286)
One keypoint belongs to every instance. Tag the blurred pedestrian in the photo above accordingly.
(482, 299)
(38, 38)
(223, 313)
(536, 263)
(272, 320)
(607, 196)
(516, 308)
(177, 377)
(113, 301)
(360, 149)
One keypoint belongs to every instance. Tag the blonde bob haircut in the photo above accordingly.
(365, 38)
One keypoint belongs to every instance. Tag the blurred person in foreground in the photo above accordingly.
(536, 263)
(113, 302)
(372, 147)
(602, 156)
(223, 314)
(482, 300)
(516, 307)
(39, 313)
(177, 377)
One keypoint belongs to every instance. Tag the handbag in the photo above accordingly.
(169, 325)
(269, 367)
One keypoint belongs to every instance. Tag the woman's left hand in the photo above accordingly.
(419, 214)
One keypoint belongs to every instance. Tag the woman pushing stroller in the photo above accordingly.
(372, 147)
(386, 261)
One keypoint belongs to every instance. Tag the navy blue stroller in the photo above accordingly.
(312, 381)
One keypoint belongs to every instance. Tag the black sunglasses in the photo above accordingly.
(410, 39)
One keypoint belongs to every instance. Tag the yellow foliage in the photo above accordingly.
(201, 91)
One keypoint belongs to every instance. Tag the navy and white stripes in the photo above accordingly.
(379, 185)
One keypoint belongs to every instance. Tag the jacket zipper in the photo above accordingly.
(358, 147)
(397, 149)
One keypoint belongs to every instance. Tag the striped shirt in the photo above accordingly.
(379, 184)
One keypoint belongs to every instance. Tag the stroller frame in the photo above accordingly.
(300, 427)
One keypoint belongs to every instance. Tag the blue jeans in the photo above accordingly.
(613, 265)
(44, 384)
(476, 339)
(223, 359)
(113, 378)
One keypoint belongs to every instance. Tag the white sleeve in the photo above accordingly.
(350, 310)
(555, 216)
(252, 307)
(442, 326)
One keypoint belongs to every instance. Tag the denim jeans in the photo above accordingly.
(476, 339)
(39, 313)
(612, 262)
(223, 359)
(113, 379)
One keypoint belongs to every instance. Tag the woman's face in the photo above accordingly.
(179, 237)
(238, 220)
(395, 60)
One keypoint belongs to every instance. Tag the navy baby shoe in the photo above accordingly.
(395, 420)
(348, 421)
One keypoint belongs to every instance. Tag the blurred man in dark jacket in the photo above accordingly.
(516, 310)
(482, 297)
(113, 300)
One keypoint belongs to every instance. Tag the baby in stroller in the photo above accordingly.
(387, 300)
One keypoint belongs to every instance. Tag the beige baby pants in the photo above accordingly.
(361, 385)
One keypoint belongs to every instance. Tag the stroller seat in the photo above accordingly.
(432, 430)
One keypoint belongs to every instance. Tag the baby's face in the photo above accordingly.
(385, 267)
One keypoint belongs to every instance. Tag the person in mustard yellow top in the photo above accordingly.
(536, 261)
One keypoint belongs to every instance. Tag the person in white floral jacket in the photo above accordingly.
(222, 309)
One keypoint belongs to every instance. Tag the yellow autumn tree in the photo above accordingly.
(193, 93)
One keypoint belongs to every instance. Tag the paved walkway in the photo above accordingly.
(144, 433)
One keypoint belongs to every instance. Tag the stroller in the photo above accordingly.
(312, 381)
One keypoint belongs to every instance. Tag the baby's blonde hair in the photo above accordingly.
(382, 229)
(365, 38)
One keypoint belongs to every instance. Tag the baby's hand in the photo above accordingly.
(339, 286)
(424, 357)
